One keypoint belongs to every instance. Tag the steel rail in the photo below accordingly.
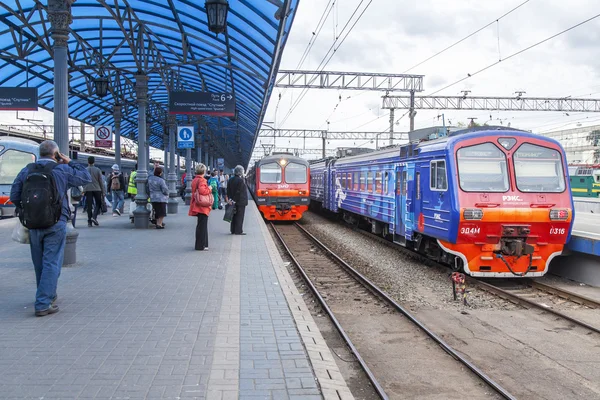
(565, 294)
(506, 295)
(335, 321)
(378, 292)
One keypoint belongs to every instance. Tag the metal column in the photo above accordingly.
(411, 110)
(166, 148)
(173, 204)
(141, 214)
(117, 114)
(324, 142)
(188, 176)
(391, 127)
(82, 139)
(59, 14)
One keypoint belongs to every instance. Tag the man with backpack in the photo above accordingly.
(115, 183)
(39, 193)
(94, 192)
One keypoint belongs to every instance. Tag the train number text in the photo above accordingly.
(557, 231)
(470, 231)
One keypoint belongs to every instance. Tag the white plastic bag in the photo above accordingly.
(20, 233)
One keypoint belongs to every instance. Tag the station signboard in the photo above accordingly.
(220, 163)
(202, 103)
(18, 99)
(185, 137)
(103, 136)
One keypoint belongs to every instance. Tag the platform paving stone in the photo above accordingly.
(143, 315)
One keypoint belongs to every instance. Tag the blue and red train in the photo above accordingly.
(493, 202)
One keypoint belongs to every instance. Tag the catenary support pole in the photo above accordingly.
(411, 111)
(141, 214)
(391, 127)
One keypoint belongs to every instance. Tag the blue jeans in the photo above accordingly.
(118, 196)
(47, 252)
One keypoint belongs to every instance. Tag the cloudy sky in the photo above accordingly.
(394, 35)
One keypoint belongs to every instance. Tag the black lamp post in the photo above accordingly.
(101, 86)
(216, 11)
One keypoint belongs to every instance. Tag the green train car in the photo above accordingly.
(585, 181)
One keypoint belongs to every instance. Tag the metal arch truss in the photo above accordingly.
(322, 134)
(349, 81)
(492, 103)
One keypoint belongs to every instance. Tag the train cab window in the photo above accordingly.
(363, 185)
(482, 168)
(11, 163)
(438, 181)
(538, 169)
(378, 183)
(295, 173)
(370, 182)
(270, 173)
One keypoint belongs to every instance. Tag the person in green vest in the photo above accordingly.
(132, 191)
(213, 183)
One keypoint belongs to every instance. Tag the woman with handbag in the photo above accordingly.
(200, 206)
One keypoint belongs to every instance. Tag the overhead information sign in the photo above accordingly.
(103, 136)
(202, 103)
(221, 163)
(185, 137)
(18, 98)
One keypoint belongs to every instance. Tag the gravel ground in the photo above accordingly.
(412, 283)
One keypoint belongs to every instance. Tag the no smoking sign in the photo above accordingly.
(103, 136)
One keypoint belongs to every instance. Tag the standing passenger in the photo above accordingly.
(237, 193)
(40, 194)
(200, 189)
(213, 182)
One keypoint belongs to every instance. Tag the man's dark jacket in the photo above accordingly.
(237, 191)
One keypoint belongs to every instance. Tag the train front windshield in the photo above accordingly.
(482, 168)
(11, 163)
(295, 173)
(538, 169)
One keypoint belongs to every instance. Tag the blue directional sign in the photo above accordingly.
(185, 137)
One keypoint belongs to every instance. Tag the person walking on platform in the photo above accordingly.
(200, 206)
(237, 194)
(159, 195)
(116, 184)
(39, 194)
(222, 186)
(131, 187)
(75, 196)
(94, 192)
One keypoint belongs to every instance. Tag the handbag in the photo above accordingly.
(229, 212)
(203, 200)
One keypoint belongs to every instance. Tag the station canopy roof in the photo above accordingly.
(169, 41)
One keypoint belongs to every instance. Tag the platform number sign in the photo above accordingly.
(103, 136)
(185, 137)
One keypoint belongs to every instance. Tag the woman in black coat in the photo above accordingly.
(237, 193)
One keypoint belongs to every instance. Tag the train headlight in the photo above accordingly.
(473, 213)
(301, 192)
(265, 192)
(283, 161)
(559, 215)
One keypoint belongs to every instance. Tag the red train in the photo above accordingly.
(280, 185)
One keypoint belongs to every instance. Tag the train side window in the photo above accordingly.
(370, 182)
(378, 183)
(404, 183)
(581, 180)
(398, 183)
(418, 183)
(343, 181)
(355, 181)
(385, 183)
(362, 181)
(11, 163)
(438, 179)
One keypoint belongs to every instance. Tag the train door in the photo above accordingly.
(400, 196)
(409, 210)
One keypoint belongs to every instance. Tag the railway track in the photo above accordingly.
(360, 311)
(517, 297)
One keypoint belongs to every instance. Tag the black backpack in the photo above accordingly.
(40, 203)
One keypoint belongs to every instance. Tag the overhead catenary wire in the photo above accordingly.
(470, 75)
(333, 47)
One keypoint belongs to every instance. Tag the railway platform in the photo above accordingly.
(144, 315)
